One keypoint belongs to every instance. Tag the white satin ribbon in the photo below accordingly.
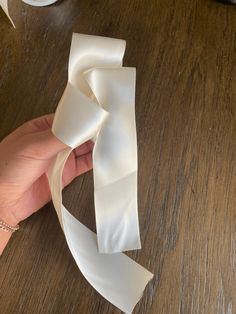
(4, 5)
(98, 104)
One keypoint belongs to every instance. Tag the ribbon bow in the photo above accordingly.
(98, 104)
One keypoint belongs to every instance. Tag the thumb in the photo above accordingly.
(42, 145)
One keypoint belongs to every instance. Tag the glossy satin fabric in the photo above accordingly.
(100, 92)
(98, 104)
(4, 5)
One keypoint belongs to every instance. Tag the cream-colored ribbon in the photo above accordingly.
(98, 104)
(100, 88)
(4, 5)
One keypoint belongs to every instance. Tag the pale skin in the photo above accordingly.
(25, 156)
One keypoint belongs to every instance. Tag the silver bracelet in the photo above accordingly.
(7, 228)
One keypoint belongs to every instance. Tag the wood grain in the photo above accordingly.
(185, 56)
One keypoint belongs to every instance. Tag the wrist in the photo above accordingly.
(4, 238)
(7, 216)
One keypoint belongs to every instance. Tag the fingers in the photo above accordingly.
(76, 166)
(73, 168)
(44, 145)
(41, 142)
(84, 163)
(84, 149)
(36, 125)
(39, 124)
(40, 145)
(34, 139)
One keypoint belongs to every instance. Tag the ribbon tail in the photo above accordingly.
(4, 5)
(116, 277)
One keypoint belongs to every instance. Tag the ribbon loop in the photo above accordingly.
(98, 103)
(77, 118)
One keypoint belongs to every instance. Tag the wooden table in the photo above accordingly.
(185, 54)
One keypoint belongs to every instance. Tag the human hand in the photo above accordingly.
(25, 156)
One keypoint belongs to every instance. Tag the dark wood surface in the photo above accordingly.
(185, 54)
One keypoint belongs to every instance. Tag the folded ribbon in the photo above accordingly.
(98, 104)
